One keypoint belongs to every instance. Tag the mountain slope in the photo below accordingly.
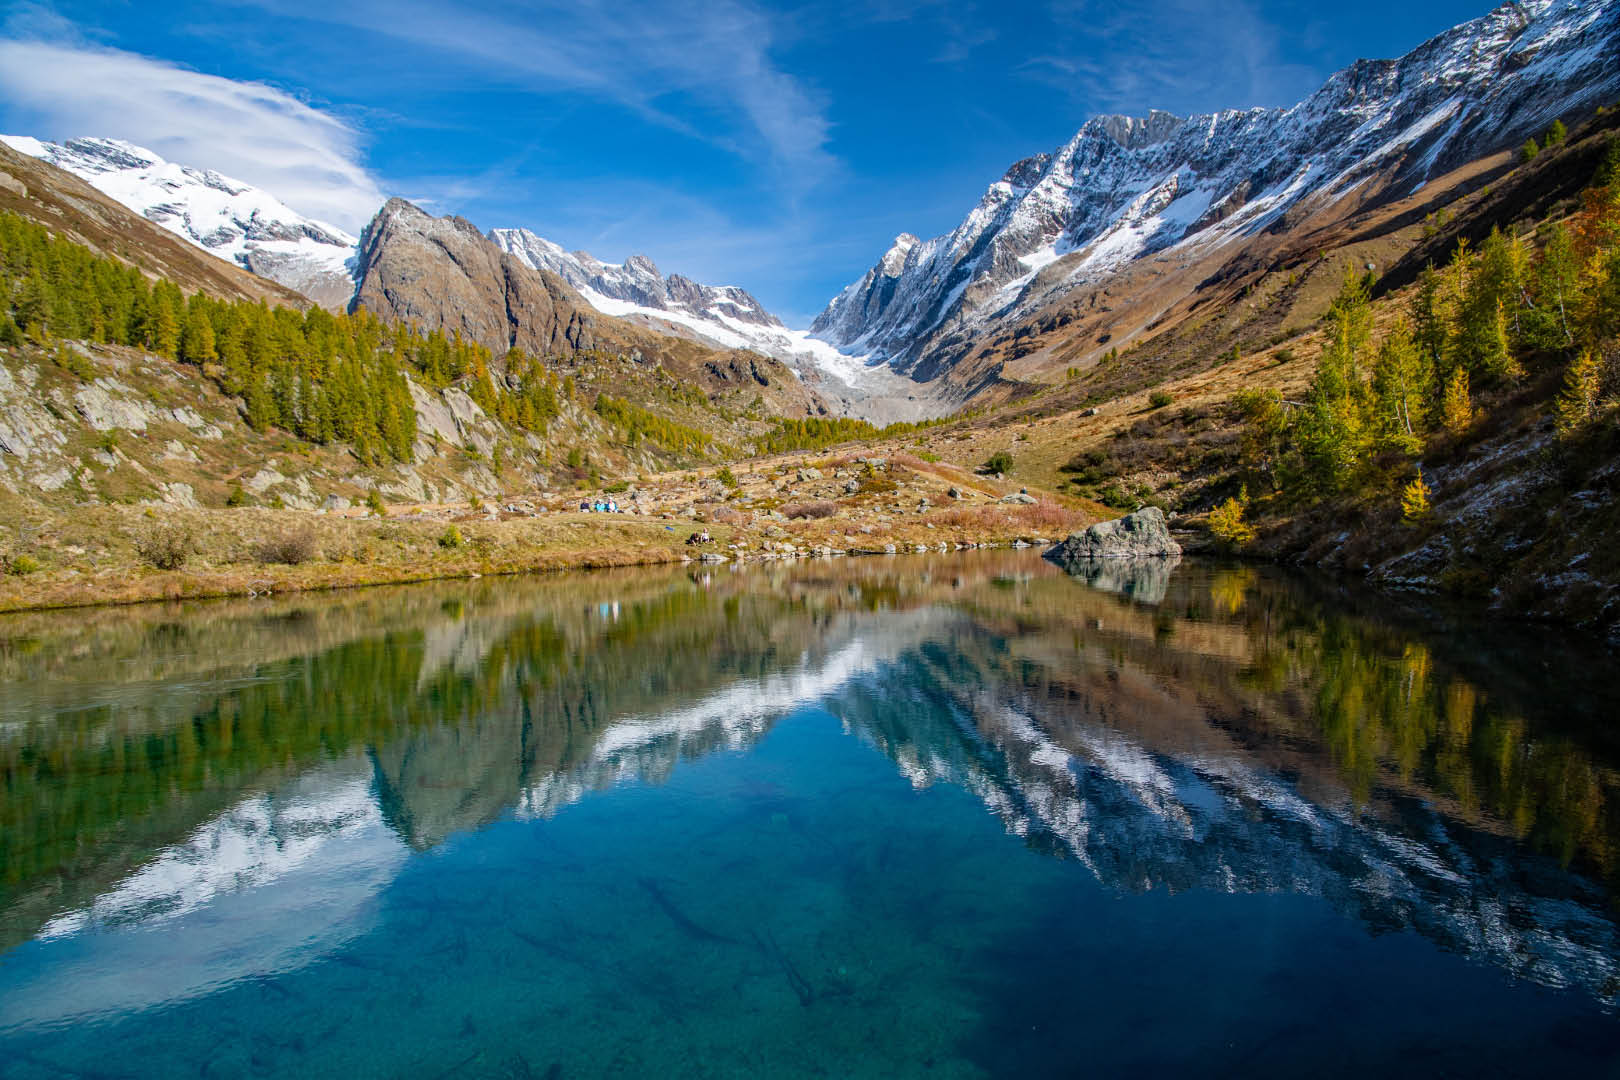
(443, 274)
(225, 217)
(723, 316)
(1126, 189)
(74, 210)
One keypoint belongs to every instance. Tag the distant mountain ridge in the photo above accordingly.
(442, 273)
(255, 230)
(236, 221)
(1125, 188)
(724, 316)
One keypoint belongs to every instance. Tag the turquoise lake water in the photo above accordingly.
(948, 817)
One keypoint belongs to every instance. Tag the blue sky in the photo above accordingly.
(779, 146)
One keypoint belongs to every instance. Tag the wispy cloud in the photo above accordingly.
(251, 131)
(1179, 55)
(715, 55)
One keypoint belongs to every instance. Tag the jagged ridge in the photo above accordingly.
(1124, 188)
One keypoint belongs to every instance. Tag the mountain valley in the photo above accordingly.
(1114, 325)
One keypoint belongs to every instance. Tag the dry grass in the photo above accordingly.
(820, 508)
(291, 549)
(1044, 518)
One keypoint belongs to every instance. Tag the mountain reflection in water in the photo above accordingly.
(1185, 727)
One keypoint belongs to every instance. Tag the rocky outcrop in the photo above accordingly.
(443, 274)
(1142, 535)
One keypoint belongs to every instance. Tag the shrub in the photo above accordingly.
(75, 361)
(999, 462)
(374, 503)
(19, 565)
(291, 549)
(237, 497)
(727, 477)
(451, 539)
(165, 547)
(1159, 399)
(818, 509)
(1117, 498)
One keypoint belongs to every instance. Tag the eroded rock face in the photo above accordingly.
(442, 273)
(1142, 535)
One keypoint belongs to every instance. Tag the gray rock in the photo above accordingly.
(1019, 497)
(473, 425)
(809, 474)
(334, 503)
(1142, 535)
(263, 480)
(104, 408)
(26, 428)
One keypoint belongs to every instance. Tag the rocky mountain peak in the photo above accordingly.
(1124, 188)
(1135, 132)
(642, 264)
(442, 273)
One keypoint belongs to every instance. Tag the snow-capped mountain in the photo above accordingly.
(1124, 188)
(725, 316)
(225, 217)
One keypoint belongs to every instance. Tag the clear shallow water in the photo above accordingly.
(931, 817)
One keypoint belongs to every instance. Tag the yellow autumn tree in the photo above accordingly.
(1456, 408)
(1578, 404)
(1415, 499)
(1226, 523)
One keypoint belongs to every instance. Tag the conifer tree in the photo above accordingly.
(1578, 404)
(1333, 426)
(197, 340)
(1555, 276)
(1401, 385)
(1456, 408)
(163, 325)
(1429, 317)
(1415, 499)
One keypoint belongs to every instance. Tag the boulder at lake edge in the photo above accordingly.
(1142, 535)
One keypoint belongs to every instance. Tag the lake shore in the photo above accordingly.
(106, 555)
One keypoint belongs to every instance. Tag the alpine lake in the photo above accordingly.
(918, 816)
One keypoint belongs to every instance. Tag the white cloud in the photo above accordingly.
(716, 55)
(309, 159)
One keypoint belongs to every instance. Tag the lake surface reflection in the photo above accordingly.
(942, 816)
